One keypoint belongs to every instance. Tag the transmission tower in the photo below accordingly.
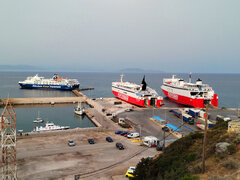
(8, 143)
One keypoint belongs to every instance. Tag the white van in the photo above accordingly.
(133, 135)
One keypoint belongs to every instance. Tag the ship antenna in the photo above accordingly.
(190, 77)
(121, 77)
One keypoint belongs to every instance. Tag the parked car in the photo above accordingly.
(130, 171)
(109, 139)
(71, 143)
(109, 114)
(125, 135)
(118, 132)
(119, 146)
(159, 148)
(91, 141)
(124, 132)
(129, 110)
(165, 128)
(133, 135)
(149, 157)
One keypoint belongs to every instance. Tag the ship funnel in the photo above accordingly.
(181, 82)
(190, 77)
(144, 84)
(199, 82)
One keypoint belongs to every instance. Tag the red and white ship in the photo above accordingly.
(187, 93)
(140, 95)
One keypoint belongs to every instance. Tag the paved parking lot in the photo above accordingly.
(51, 158)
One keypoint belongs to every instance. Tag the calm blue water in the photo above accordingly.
(227, 86)
(59, 114)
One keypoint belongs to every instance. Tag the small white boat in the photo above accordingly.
(38, 119)
(79, 110)
(50, 126)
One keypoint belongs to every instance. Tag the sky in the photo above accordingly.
(109, 35)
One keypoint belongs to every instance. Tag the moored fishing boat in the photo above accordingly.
(50, 126)
(38, 119)
(79, 110)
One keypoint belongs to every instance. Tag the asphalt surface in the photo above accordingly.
(140, 119)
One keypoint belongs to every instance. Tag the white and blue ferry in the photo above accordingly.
(36, 82)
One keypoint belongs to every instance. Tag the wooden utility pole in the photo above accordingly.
(205, 138)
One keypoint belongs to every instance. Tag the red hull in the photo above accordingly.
(132, 100)
(197, 103)
(129, 99)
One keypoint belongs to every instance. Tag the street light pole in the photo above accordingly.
(140, 131)
(163, 139)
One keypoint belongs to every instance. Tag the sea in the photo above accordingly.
(227, 86)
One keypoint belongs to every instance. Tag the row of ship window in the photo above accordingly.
(46, 83)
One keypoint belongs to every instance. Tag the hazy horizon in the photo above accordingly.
(128, 70)
(107, 36)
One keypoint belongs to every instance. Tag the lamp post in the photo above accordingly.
(163, 147)
(140, 131)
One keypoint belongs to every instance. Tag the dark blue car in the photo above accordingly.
(109, 139)
(118, 132)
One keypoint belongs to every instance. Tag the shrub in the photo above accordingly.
(189, 157)
(215, 177)
(189, 177)
(176, 173)
(232, 148)
(221, 156)
(220, 125)
(124, 125)
(237, 140)
(196, 169)
(230, 164)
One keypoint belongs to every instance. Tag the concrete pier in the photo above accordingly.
(43, 100)
(77, 93)
(46, 100)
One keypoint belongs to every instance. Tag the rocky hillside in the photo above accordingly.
(182, 159)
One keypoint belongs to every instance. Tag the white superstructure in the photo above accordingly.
(54, 83)
(50, 126)
(136, 94)
(188, 93)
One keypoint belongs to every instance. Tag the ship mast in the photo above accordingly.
(121, 78)
(190, 77)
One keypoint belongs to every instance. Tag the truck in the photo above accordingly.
(202, 121)
(177, 113)
(194, 112)
(151, 141)
(187, 118)
(202, 114)
(222, 118)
